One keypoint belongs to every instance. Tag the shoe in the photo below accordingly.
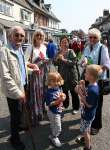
(74, 112)
(23, 129)
(94, 131)
(17, 144)
(80, 140)
(55, 141)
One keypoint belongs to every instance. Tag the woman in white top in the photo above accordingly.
(37, 62)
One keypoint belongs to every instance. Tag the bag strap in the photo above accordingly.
(99, 60)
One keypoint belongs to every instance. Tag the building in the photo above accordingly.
(29, 14)
(14, 12)
(103, 24)
(44, 18)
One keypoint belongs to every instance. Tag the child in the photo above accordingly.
(89, 98)
(54, 101)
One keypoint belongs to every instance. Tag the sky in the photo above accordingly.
(78, 14)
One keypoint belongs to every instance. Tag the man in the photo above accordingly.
(51, 49)
(13, 78)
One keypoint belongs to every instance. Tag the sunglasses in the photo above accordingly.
(39, 35)
(19, 35)
(92, 37)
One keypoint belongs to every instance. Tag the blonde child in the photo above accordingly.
(89, 98)
(54, 101)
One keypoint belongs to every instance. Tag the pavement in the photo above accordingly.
(70, 130)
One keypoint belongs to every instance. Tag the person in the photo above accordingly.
(37, 62)
(54, 99)
(91, 56)
(66, 61)
(13, 80)
(89, 100)
(51, 49)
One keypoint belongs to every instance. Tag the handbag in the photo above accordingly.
(104, 84)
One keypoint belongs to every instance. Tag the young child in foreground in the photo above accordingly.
(89, 100)
(54, 101)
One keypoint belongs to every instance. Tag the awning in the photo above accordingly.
(62, 34)
(8, 24)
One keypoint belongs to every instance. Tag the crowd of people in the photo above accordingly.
(28, 80)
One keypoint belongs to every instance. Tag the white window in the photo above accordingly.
(25, 15)
(5, 8)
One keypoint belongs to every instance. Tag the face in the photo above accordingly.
(93, 39)
(64, 43)
(88, 76)
(17, 37)
(39, 38)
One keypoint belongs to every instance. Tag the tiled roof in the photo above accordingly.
(43, 10)
(23, 3)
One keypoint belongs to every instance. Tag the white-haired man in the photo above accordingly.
(13, 78)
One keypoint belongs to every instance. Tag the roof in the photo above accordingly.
(43, 10)
(23, 3)
(9, 24)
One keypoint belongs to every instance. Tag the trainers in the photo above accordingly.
(55, 141)
(75, 112)
(80, 140)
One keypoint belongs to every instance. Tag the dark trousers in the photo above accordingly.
(15, 110)
(97, 123)
(75, 99)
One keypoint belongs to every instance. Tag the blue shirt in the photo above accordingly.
(51, 50)
(52, 95)
(20, 56)
(92, 99)
(94, 56)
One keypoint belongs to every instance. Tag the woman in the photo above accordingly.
(91, 56)
(66, 62)
(37, 62)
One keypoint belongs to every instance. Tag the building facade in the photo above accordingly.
(29, 14)
(44, 18)
(14, 12)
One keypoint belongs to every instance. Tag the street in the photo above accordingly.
(70, 130)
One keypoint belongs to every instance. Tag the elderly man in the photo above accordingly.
(13, 77)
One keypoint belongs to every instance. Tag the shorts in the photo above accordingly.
(85, 125)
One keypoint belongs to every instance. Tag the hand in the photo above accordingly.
(22, 98)
(62, 97)
(60, 57)
(84, 62)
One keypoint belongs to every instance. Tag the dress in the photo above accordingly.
(69, 73)
(37, 84)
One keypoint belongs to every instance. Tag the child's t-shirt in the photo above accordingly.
(92, 99)
(52, 95)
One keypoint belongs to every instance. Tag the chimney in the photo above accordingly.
(105, 13)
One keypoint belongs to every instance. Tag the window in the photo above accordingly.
(5, 8)
(25, 15)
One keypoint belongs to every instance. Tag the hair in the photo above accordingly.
(64, 37)
(96, 32)
(55, 77)
(14, 29)
(94, 70)
(39, 31)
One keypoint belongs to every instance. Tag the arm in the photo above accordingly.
(9, 83)
(105, 60)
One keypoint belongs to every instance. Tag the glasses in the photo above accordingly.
(92, 37)
(19, 35)
(39, 35)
